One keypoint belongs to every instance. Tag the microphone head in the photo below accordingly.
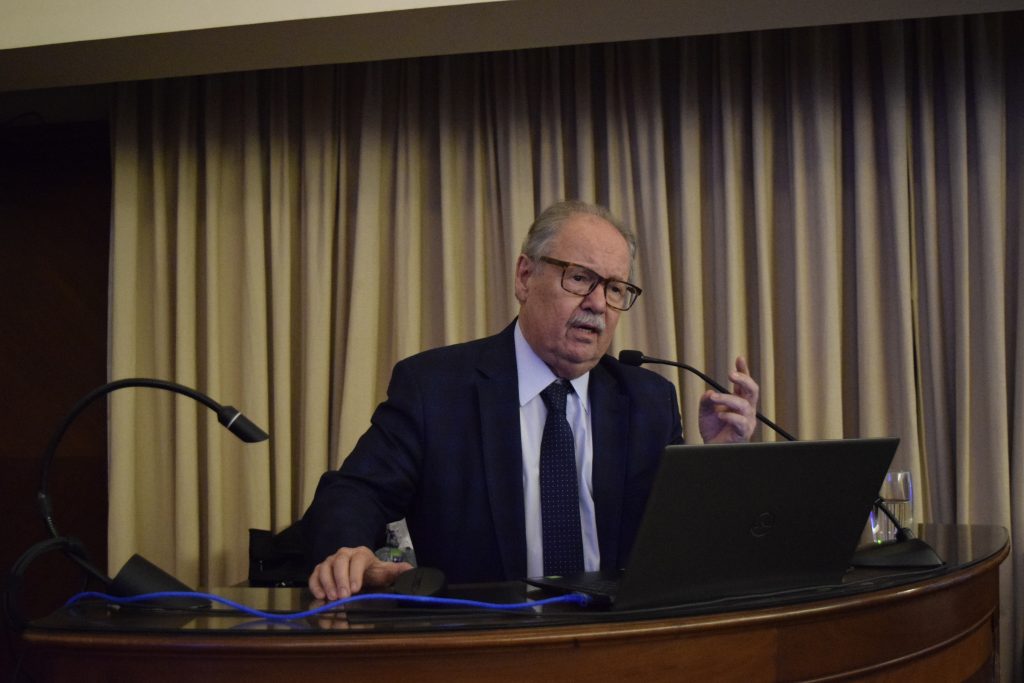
(631, 357)
(241, 426)
(246, 430)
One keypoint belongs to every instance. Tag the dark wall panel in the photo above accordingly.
(55, 188)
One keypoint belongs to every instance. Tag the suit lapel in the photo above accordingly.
(498, 396)
(609, 421)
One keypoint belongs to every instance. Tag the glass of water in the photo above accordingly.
(898, 493)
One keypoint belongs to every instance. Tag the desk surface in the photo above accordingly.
(878, 623)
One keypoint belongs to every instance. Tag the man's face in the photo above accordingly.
(570, 332)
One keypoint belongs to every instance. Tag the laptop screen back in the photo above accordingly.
(739, 519)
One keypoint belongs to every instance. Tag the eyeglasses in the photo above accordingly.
(581, 281)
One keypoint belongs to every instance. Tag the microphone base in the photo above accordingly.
(911, 553)
(140, 576)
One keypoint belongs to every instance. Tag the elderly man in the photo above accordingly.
(530, 452)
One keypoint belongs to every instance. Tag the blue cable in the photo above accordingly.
(571, 598)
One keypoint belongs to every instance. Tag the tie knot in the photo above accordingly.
(554, 395)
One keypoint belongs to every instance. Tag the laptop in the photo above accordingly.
(744, 519)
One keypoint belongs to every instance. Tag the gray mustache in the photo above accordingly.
(587, 319)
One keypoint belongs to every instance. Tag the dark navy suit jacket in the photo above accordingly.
(444, 451)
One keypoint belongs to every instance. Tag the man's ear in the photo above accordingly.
(524, 269)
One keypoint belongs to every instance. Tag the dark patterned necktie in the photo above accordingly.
(559, 488)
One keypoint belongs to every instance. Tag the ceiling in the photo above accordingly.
(57, 43)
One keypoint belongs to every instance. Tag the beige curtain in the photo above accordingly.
(842, 205)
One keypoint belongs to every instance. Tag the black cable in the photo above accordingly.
(70, 547)
(637, 358)
(902, 532)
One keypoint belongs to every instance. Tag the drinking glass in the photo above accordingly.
(898, 493)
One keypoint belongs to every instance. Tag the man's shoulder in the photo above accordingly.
(652, 399)
(632, 376)
(462, 354)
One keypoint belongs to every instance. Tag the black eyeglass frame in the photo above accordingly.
(598, 280)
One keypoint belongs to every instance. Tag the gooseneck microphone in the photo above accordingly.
(230, 417)
(138, 575)
(637, 358)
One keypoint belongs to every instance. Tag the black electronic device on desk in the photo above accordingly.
(421, 581)
(745, 519)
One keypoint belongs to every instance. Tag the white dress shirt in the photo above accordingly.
(534, 377)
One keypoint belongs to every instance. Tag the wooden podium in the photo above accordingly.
(882, 625)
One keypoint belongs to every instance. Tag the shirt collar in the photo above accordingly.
(535, 375)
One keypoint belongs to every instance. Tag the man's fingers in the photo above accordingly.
(362, 559)
(382, 574)
(316, 586)
(733, 419)
(321, 581)
(743, 384)
(730, 416)
(349, 570)
(333, 575)
(732, 403)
